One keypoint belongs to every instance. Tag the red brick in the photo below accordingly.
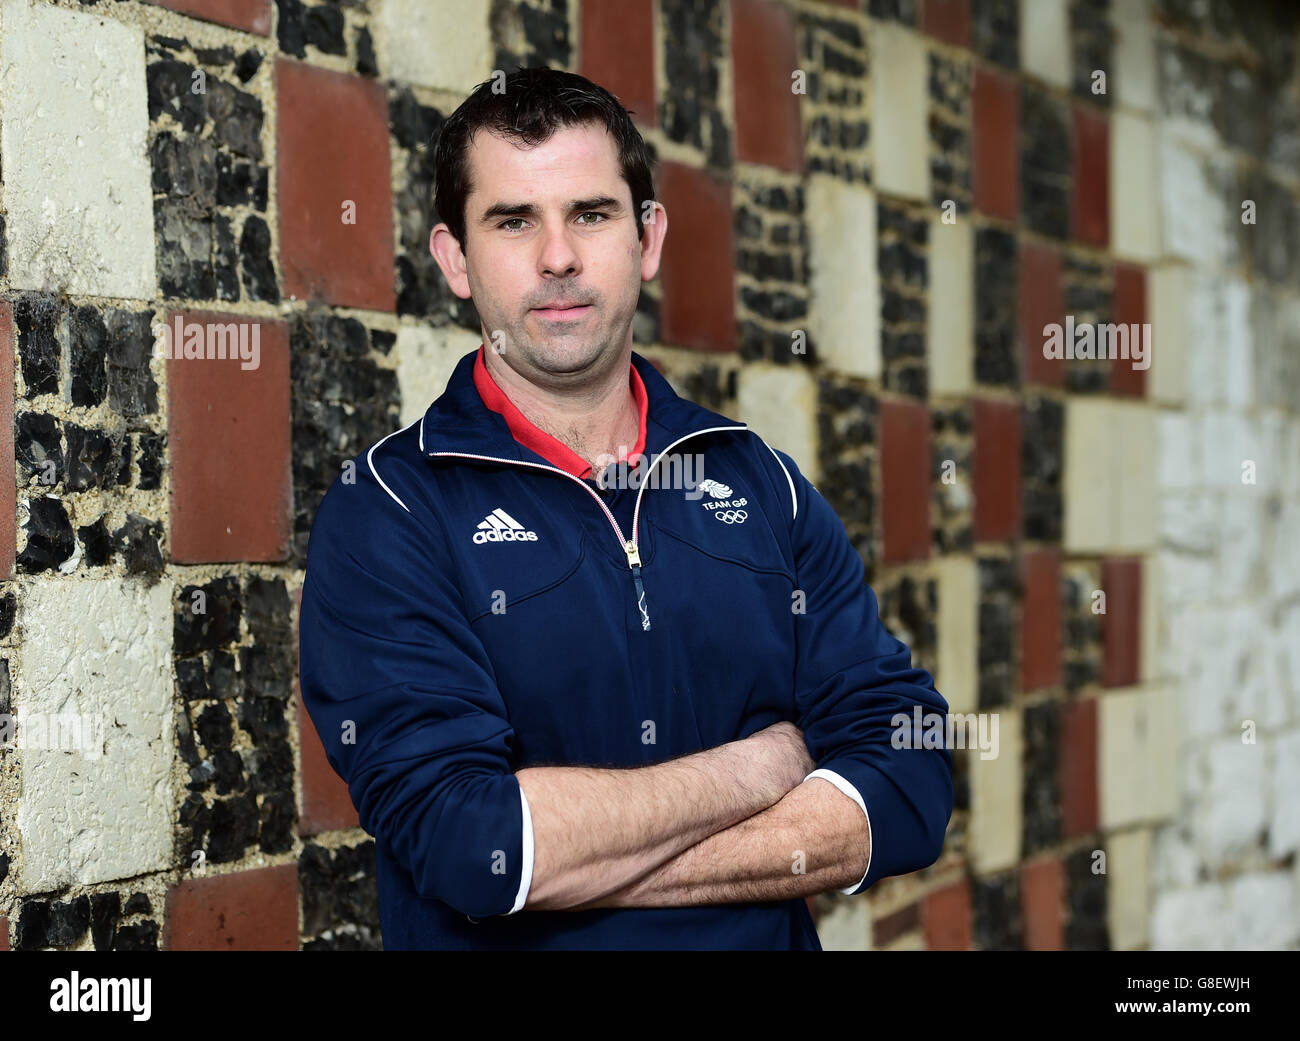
(764, 53)
(1041, 300)
(698, 269)
(947, 915)
(1042, 898)
(1079, 767)
(229, 437)
(4, 934)
(995, 161)
(252, 16)
(617, 52)
(1121, 625)
(1040, 619)
(332, 141)
(326, 804)
(8, 492)
(997, 470)
(1090, 160)
(947, 20)
(891, 926)
(1129, 307)
(905, 480)
(243, 911)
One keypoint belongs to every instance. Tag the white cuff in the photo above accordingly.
(855, 795)
(526, 875)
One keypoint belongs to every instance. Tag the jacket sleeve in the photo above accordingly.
(404, 699)
(856, 692)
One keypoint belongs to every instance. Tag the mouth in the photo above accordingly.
(562, 311)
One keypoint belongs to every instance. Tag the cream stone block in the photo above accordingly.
(951, 318)
(957, 671)
(900, 112)
(73, 126)
(426, 357)
(1134, 187)
(1135, 77)
(844, 278)
(1134, 449)
(997, 799)
(846, 927)
(96, 803)
(1192, 199)
(1112, 456)
(1167, 311)
(1091, 486)
(780, 403)
(1140, 736)
(437, 43)
(1153, 615)
(1128, 889)
(1045, 40)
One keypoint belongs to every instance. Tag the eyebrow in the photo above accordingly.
(502, 210)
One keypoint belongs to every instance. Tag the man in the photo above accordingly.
(576, 705)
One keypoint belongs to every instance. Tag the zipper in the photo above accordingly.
(634, 562)
(630, 548)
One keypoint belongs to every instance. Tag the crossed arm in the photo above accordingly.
(729, 824)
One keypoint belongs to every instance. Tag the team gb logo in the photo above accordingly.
(715, 489)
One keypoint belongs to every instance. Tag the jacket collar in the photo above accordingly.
(459, 421)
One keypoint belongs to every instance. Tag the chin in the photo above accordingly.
(564, 354)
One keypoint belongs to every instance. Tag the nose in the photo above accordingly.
(558, 256)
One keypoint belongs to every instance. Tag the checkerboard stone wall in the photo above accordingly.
(909, 190)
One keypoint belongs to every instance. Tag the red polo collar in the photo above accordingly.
(534, 437)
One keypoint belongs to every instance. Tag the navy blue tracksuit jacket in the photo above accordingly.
(470, 609)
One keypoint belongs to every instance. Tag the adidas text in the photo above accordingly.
(509, 535)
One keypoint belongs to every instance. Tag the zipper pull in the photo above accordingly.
(634, 562)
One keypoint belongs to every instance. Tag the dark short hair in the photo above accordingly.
(534, 104)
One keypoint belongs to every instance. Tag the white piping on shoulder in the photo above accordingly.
(788, 481)
(371, 462)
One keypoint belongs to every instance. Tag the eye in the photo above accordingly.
(521, 220)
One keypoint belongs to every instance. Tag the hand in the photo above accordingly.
(783, 755)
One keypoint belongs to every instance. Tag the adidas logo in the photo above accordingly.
(499, 526)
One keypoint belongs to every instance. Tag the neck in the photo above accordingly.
(595, 416)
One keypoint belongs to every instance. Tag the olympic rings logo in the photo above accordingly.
(731, 516)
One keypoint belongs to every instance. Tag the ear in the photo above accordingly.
(451, 259)
(654, 227)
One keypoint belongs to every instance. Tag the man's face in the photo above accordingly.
(551, 257)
